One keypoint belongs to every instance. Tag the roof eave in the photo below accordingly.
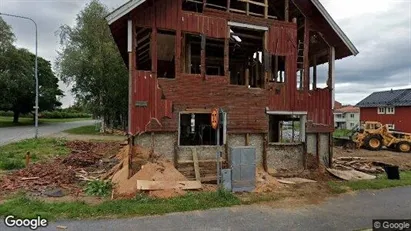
(335, 27)
(123, 10)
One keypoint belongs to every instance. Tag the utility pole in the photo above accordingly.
(36, 107)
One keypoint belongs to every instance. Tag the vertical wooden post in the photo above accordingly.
(247, 139)
(247, 8)
(228, 5)
(306, 53)
(266, 9)
(314, 72)
(203, 56)
(227, 53)
(265, 56)
(276, 68)
(188, 57)
(247, 76)
(286, 11)
(154, 50)
(183, 51)
(27, 159)
(131, 52)
(331, 70)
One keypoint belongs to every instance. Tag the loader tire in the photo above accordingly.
(404, 146)
(373, 143)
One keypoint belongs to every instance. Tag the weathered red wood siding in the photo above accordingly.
(210, 26)
(400, 119)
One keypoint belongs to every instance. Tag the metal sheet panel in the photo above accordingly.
(243, 169)
(226, 176)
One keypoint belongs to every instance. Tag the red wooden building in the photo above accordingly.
(252, 59)
(388, 107)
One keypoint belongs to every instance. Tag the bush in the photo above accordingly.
(98, 188)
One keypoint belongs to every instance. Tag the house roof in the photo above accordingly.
(132, 4)
(348, 109)
(396, 98)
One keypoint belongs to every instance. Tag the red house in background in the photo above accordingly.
(388, 107)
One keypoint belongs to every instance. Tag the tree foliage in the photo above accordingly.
(91, 61)
(17, 78)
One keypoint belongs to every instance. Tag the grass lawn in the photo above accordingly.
(379, 183)
(85, 130)
(8, 121)
(12, 156)
(21, 206)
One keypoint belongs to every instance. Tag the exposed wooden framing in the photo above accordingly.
(154, 50)
(247, 76)
(188, 56)
(314, 72)
(228, 5)
(204, 4)
(227, 53)
(203, 56)
(286, 10)
(331, 76)
(266, 9)
(247, 36)
(265, 56)
(247, 139)
(184, 56)
(254, 2)
(306, 63)
(143, 38)
(247, 11)
(141, 47)
(141, 30)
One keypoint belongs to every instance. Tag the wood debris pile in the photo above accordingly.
(357, 163)
(83, 164)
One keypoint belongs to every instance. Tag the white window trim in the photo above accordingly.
(390, 112)
(381, 112)
(391, 126)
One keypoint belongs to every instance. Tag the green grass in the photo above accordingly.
(22, 206)
(12, 156)
(380, 183)
(8, 121)
(85, 130)
(341, 133)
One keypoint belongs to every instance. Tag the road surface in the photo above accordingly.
(13, 134)
(347, 212)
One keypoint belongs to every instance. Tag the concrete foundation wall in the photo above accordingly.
(323, 146)
(255, 140)
(163, 143)
(289, 157)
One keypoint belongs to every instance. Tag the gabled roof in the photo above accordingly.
(395, 98)
(348, 109)
(123, 10)
(132, 4)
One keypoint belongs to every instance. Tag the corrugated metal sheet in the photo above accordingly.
(211, 26)
(148, 105)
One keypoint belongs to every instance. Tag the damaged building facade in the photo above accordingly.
(256, 60)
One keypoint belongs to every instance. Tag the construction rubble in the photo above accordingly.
(357, 163)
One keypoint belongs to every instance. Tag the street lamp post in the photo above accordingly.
(36, 107)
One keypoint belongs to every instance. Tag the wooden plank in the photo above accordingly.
(147, 185)
(196, 166)
(350, 175)
(286, 10)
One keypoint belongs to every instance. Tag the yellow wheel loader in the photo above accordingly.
(374, 135)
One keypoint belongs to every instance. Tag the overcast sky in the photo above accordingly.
(380, 29)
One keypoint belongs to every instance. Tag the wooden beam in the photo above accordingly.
(154, 50)
(227, 53)
(266, 9)
(228, 5)
(162, 185)
(314, 72)
(247, 76)
(306, 64)
(276, 68)
(203, 56)
(286, 10)
(331, 71)
(247, 36)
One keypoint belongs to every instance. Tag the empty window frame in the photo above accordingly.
(352, 116)
(143, 49)
(166, 41)
(278, 69)
(191, 54)
(193, 5)
(214, 57)
(216, 4)
(246, 59)
(196, 130)
(286, 128)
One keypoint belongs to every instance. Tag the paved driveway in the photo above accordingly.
(347, 212)
(13, 134)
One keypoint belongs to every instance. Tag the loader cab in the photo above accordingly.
(371, 125)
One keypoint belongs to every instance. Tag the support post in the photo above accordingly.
(203, 56)
(266, 9)
(227, 53)
(314, 72)
(247, 76)
(286, 11)
(276, 69)
(331, 71)
(306, 63)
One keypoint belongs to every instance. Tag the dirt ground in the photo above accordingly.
(403, 160)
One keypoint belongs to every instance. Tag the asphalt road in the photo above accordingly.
(13, 134)
(347, 212)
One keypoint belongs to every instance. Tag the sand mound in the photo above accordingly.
(265, 182)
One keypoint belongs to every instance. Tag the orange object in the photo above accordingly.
(214, 118)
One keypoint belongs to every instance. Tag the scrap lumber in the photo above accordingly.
(112, 171)
(196, 165)
(350, 175)
(147, 185)
(30, 178)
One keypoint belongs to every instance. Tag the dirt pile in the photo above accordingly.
(64, 173)
(265, 182)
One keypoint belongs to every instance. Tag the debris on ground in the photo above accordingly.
(350, 175)
(265, 182)
(85, 163)
(356, 163)
(295, 180)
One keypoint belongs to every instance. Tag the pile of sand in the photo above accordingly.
(265, 182)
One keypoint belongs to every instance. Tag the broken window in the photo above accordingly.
(246, 57)
(215, 57)
(300, 79)
(166, 41)
(278, 67)
(286, 128)
(191, 54)
(195, 129)
(216, 4)
(143, 54)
